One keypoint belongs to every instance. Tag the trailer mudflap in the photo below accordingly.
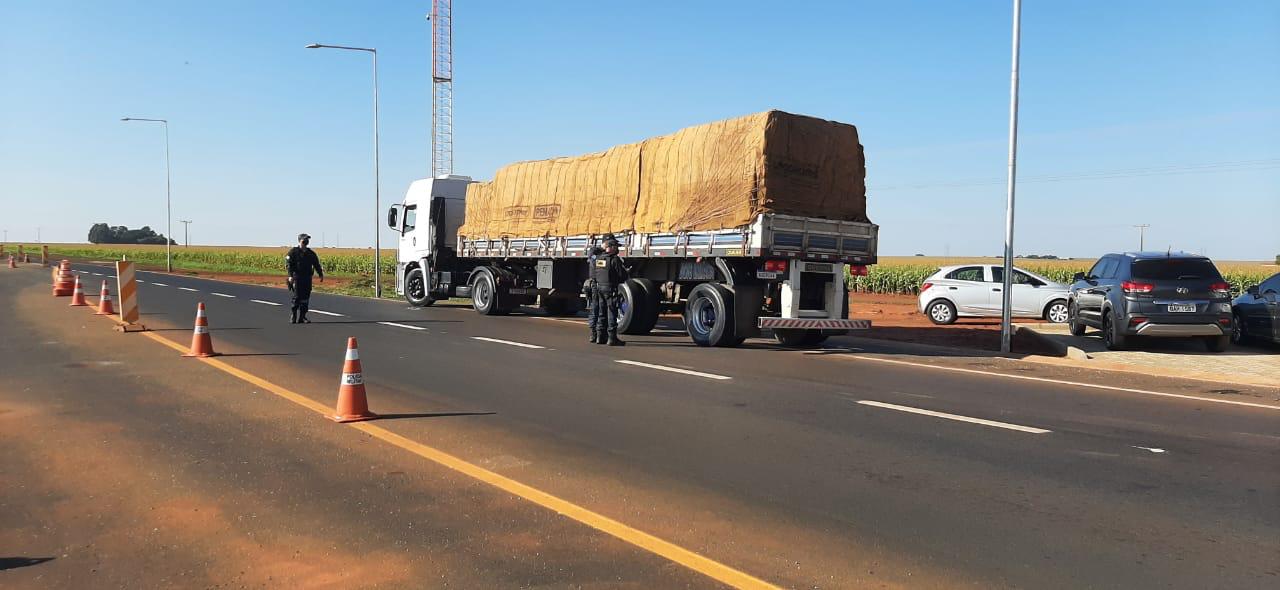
(814, 324)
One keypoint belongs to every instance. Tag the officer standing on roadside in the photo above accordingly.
(609, 274)
(301, 261)
(589, 289)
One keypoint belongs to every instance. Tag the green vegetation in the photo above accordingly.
(229, 259)
(906, 278)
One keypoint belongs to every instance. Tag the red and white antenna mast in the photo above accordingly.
(441, 87)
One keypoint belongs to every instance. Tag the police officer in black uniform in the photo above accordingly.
(589, 288)
(609, 274)
(301, 261)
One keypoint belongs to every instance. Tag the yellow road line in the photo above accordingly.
(595, 520)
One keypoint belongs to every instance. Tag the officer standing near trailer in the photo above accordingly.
(301, 261)
(609, 274)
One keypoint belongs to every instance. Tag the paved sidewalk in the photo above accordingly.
(1255, 364)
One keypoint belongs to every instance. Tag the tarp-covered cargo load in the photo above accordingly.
(715, 176)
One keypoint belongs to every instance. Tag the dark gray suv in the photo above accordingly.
(1160, 294)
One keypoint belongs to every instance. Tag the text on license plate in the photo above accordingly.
(1182, 307)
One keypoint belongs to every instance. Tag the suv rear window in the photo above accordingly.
(1172, 269)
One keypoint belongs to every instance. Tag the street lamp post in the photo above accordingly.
(1006, 293)
(377, 205)
(168, 201)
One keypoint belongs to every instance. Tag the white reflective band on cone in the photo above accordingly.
(352, 379)
(202, 329)
(353, 354)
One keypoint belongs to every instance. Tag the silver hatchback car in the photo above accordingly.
(975, 290)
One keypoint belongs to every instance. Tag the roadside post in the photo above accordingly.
(44, 256)
(127, 287)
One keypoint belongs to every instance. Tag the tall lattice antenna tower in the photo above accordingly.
(441, 87)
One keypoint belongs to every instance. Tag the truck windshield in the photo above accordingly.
(1172, 269)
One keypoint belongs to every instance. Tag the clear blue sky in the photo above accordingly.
(270, 139)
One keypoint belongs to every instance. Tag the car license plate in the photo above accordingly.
(519, 291)
(762, 274)
(1182, 307)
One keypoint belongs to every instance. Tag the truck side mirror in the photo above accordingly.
(393, 217)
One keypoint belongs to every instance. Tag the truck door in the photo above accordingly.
(415, 241)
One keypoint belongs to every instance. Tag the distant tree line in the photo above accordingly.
(102, 233)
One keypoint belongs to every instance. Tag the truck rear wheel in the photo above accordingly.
(484, 295)
(639, 307)
(708, 316)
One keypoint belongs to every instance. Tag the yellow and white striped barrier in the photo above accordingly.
(127, 287)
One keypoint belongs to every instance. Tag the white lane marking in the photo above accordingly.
(956, 417)
(220, 294)
(674, 370)
(406, 326)
(1152, 449)
(157, 284)
(1061, 382)
(188, 289)
(567, 321)
(507, 342)
(100, 274)
(323, 312)
(114, 276)
(264, 302)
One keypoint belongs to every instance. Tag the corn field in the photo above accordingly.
(229, 259)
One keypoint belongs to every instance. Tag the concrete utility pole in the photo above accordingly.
(1142, 235)
(377, 206)
(168, 201)
(186, 237)
(1006, 316)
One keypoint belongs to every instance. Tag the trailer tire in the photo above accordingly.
(484, 295)
(415, 289)
(708, 316)
(639, 307)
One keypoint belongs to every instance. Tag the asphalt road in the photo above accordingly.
(847, 467)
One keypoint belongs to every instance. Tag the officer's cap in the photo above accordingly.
(303, 237)
(611, 243)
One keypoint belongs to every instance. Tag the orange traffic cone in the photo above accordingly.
(353, 406)
(77, 295)
(11, 262)
(63, 283)
(201, 342)
(104, 302)
(26, 258)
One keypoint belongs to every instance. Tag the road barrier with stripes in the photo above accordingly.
(127, 287)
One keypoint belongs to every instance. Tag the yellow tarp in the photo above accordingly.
(714, 176)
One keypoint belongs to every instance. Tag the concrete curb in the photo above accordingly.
(1062, 350)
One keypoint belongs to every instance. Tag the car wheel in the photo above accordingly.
(1057, 312)
(1217, 343)
(1111, 334)
(1074, 324)
(1238, 330)
(941, 312)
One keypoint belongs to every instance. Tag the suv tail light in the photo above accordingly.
(926, 287)
(857, 270)
(1220, 289)
(1132, 287)
(775, 266)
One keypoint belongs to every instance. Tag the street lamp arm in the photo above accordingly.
(323, 46)
(165, 121)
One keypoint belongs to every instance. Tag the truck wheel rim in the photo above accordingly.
(415, 288)
(703, 316)
(482, 293)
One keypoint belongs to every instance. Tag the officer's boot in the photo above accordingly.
(293, 315)
(595, 335)
(602, 337)
(613, 339)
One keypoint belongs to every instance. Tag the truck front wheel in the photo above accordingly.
(415, 289)
(708, 316)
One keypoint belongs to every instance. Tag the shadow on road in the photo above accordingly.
(210, 329)
(259, 354)
(432, 415)
(397, 321)
(10, 563)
